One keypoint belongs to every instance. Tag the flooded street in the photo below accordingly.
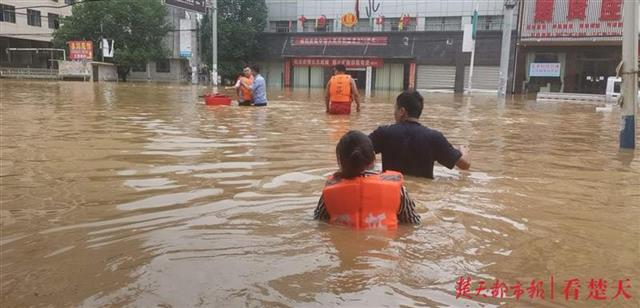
(132, 194)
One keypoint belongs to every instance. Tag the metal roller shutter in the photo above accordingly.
(436, 77)
(484, 77)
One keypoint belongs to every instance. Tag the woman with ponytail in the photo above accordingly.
(358, 197)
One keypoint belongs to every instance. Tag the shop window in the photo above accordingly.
(489, 22)
(443, 24)
(7, 13)
(282, 26)
(34, 18)
(163, 66)
(543, 57)
(54, 21)
(140, 67)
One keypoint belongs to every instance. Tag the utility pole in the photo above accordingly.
(214, 42)
(629, 74)
(507, 25)
(474, 23)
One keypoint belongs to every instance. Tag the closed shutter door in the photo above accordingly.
(317, 77)
(301, 77)
(274, 74)
(484, 77)
(389, 77)
(436, 77)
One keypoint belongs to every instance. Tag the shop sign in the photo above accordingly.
(340, 41)
(544, 70)
(348, 62)
(571, 20)
(80, 50)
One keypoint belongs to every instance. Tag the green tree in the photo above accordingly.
(240, 23)
(138, 28)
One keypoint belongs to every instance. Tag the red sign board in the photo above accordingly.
(544, 10)
(339, 41)
(577, 9)
(582, 21)
(610, 10)
(80, 50)
(348, 62)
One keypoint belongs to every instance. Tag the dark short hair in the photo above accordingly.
(355, 153)
(340, 68)
(412, 102)
(256, 68)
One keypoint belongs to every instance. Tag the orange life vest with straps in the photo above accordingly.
(246, 93)
(340, 88)
(364, 202)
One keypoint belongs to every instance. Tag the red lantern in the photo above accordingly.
(379, 20)
(321, 22)
(405, 20)
(302, 19)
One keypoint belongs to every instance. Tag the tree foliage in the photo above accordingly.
(138, 28)
(240, 23)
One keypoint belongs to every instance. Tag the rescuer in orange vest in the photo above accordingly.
(341, 91)
(243, 87)
(360, 198)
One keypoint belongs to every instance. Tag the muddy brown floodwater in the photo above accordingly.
(135, 195)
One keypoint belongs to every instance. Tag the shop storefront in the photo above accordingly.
(568, 46)
(378, 61)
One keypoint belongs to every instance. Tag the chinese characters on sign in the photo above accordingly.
(80, 50)
(577, 9)
(584, 20)
(340, 41)
(544, 10)
(544, 70)
(610, 10)
(539, 290)
(373, 62)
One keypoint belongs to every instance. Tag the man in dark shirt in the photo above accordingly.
(411, 148)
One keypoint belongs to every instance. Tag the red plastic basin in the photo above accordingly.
(217, 99)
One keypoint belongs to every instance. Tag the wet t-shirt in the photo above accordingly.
(411, 148)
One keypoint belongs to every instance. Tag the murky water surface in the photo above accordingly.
(133, 194)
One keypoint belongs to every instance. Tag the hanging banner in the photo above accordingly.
(107, 48)
(339, 41)
(185, 38)
(544, 69)
(80, 50)
(349, 20)
(191, 5)
(348, 62)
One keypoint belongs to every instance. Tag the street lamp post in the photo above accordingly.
(214, 42)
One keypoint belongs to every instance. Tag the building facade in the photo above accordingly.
(568, 45)
(181, 44)
(30, 24)
(386, 45)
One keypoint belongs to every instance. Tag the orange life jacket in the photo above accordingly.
(364, 202)
(246, 93)
(340, 88)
